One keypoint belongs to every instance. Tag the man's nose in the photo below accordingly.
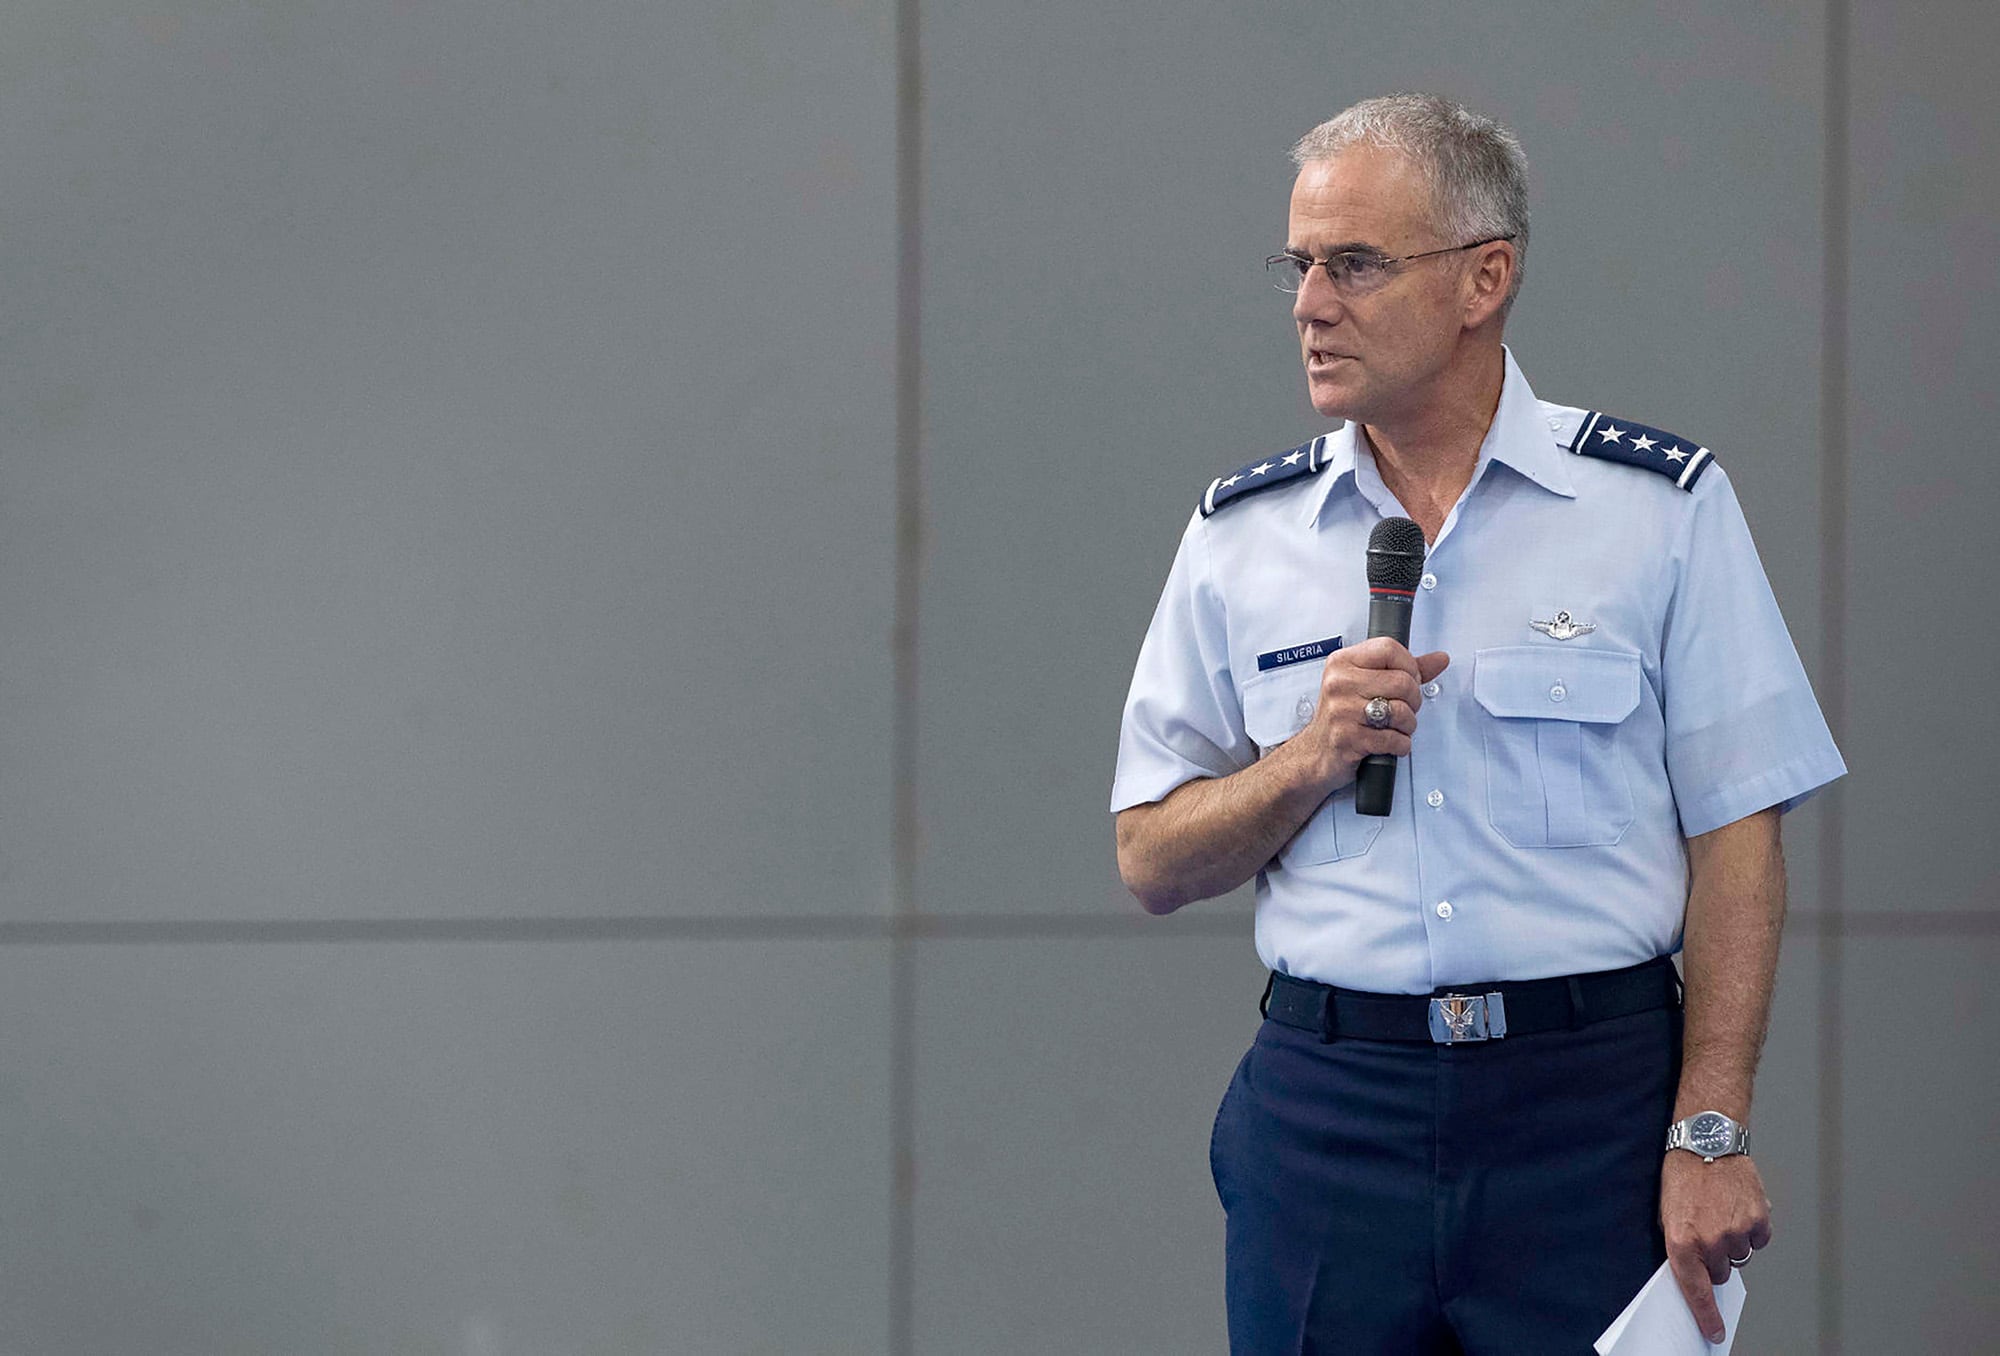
(1315, 299)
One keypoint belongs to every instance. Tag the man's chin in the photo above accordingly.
(1332, 399)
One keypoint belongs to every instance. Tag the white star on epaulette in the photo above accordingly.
(1304, 460)
(1679, 459)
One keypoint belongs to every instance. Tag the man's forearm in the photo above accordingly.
(1209, 836)
(1735, 915)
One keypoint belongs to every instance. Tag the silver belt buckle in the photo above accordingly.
(1461, 1017)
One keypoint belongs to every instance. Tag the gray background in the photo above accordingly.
(567, 576)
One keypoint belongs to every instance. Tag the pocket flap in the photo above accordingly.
(1545, 683)
(1277, 705)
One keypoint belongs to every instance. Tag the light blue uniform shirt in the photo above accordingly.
(1539, 820)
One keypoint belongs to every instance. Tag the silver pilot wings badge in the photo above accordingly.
(1562, 628)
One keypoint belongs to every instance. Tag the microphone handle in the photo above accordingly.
(1375, 780)
(1375, 785)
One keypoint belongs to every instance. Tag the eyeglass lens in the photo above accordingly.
(1348, 272)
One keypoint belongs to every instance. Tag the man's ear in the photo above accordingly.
(1491, 275)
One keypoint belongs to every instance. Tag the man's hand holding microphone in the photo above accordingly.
(1339, 735)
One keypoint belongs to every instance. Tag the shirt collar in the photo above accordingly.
(1519, 438)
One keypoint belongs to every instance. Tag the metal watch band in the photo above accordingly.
(1680, 1133)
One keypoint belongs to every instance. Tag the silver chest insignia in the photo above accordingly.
(1562, 628)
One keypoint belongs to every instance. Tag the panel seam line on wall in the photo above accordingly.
(903, 771)
(1964, 923)
(1835, 247)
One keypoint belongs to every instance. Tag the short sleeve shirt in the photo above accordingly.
(1540, 820)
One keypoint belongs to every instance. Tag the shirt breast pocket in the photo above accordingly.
(1555, 776)
(1276, 706)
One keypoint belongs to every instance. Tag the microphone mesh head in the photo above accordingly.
(1395, 555)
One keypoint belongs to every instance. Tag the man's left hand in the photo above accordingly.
(1711, 1213)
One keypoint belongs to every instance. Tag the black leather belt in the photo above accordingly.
(1472, 1012)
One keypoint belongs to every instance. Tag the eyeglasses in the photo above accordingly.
(1353, 273)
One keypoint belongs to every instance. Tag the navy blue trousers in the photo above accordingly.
(1426, 1200)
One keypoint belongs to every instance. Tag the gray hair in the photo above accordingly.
(1477, 172)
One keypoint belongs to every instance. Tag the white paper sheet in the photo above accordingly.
(1658, 1322)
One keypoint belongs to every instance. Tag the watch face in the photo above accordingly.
(1709, 1133)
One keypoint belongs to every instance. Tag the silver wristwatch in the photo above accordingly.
(1710, 1134)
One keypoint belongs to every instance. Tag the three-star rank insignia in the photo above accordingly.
(1679, 459)
(1304, 460)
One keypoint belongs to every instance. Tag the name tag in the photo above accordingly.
(1297, 654)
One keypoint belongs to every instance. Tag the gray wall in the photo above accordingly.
(568, 579)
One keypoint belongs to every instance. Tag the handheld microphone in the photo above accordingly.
(1395, 564)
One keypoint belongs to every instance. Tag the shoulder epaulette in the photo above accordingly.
(1304, 460)
(1679, 459)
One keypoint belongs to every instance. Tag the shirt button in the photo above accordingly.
(1430, 689)
(1558, 692)
(1430, 581)
(1555, 422)
(1444, 909)
(1434, 799)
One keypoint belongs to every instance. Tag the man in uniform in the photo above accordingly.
(1450, 1133)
